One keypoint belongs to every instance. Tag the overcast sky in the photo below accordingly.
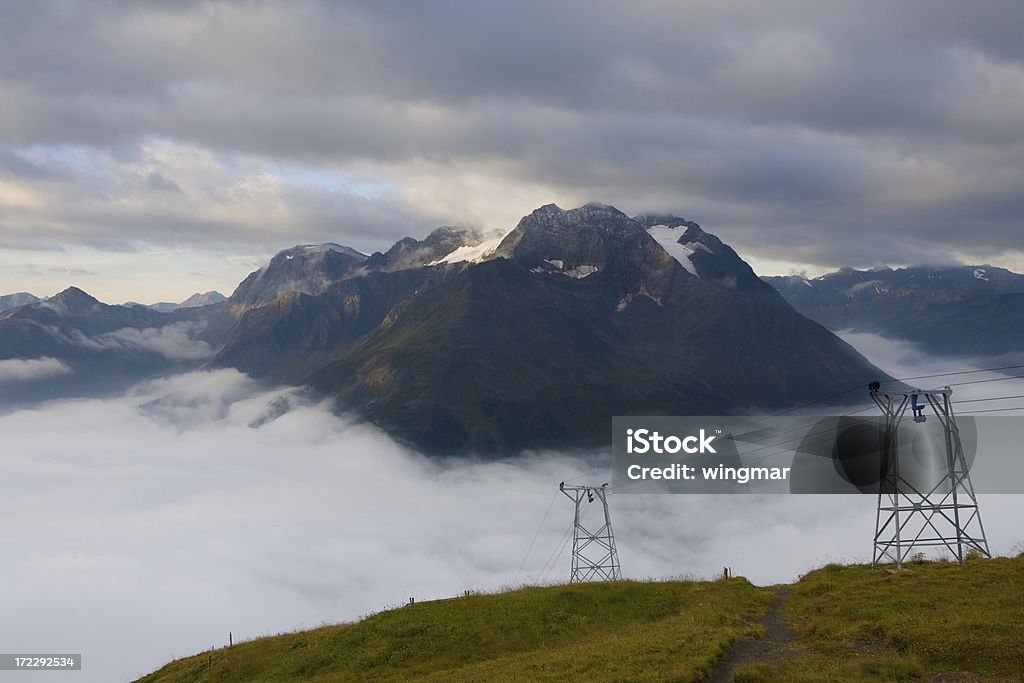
(150, 150)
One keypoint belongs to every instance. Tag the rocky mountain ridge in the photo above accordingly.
(533, 339)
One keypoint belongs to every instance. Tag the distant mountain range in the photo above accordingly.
(94, 347)
(194, 301)
(75, 345)
(463, 343)
(951, 310)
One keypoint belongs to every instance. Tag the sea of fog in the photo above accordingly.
(146, 527)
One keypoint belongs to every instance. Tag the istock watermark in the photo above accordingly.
(812, 454)
(645, 440)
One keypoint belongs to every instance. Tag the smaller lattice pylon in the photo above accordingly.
(594, 557)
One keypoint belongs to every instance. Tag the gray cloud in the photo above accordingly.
(71, 271)
(175, 341)
(24, 369)
(831, 134)
(158, 181)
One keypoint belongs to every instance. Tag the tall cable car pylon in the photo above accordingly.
(942, 512)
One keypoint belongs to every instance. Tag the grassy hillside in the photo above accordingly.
(934, 621)
(672, 631)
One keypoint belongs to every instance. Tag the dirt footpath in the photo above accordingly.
(751, 651)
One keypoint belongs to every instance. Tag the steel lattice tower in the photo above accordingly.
(945, 514)
(594, 557)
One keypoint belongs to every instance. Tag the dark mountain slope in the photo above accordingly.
(293, 335)
(494, 358)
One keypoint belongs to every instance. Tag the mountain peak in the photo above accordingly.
(17, 299)
(599, 206)
(701, 253)
(74, 295)
(326, 247)
(584, 235)
(72, 300)
(694, 233)
(599, 209)
(588, 210)
(307, 268)
(549, 208)
(410, 252)
(451, 237)
(202, 299)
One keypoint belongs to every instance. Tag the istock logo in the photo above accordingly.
(645, 441)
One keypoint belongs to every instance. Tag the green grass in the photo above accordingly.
(666, 631)
(851, 624)
(754, 673)
(856, 624)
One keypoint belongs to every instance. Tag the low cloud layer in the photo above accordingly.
(147, 526)
(174, 342)
(816, 135)
(21, 370)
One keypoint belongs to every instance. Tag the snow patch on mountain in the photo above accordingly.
(557, 267)
(580, 272)
(471, 254)
(668, 238)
